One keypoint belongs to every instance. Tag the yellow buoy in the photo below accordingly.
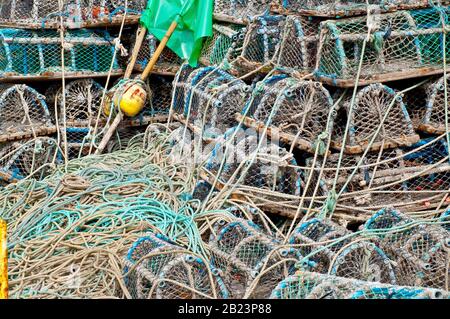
(130, 98)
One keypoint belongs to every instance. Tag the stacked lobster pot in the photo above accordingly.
(352, 98)
(420, 251)
(330, 248)
(250, 261)
(76, 48)
(311, 285)
(159, 268)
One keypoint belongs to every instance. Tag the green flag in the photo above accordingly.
(194, 19)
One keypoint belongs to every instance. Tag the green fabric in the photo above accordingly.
(194, 24)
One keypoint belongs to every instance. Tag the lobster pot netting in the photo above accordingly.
(420, 251)
(426, 106)
(168, 63)
(26, 158)
(308, 285)
(23, 113)
(224, 45)
(161, 88)
(79, 113)
(401, 45)
(325, 251)
(82, 101)
(414, 178)
(262, 170)
(445, 219)
(378, 115)
(298, 109)
(298, 48)
(209, 98)
(319, 242)
(25, 53)
(243, 254)
(239, 11)
(333, 8)
(261, 44)
(158, 269)
(39, 14)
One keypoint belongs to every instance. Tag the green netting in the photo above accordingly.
(41, 14)
(401, 44)
(38, 53)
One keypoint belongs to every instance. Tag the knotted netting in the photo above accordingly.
(257, 165)
(338, 8)
(308, 285)
(445, 219)
(316, 240)
(426, 106)
(23, 113)
(168, 63)
(41, 14)
(161, 98)
(298, 48)
(77, 113)
(34, 157)
(419, 250)
(209, 97)
(377, 119)
(225, 44)
(364, 260)
(250, 261)
(261, 44)
(391, 46)
(157, 268)
(239, 11)
(413, 178)
(28, 54)
(297, 111)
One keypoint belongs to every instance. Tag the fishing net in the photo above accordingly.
(401, 45)
(378, 120)
(21, 159)
(209, 98)
(426, 105)
(332, 8)
(158, 269)
(298, 111)
(419, 250)
(249, 261)
(298, 48)
(308, 285)
(224, 45)
(239, 11)
(40, 14)
(168, 63)
(28, 54)
(68, 234)
(23, 113)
